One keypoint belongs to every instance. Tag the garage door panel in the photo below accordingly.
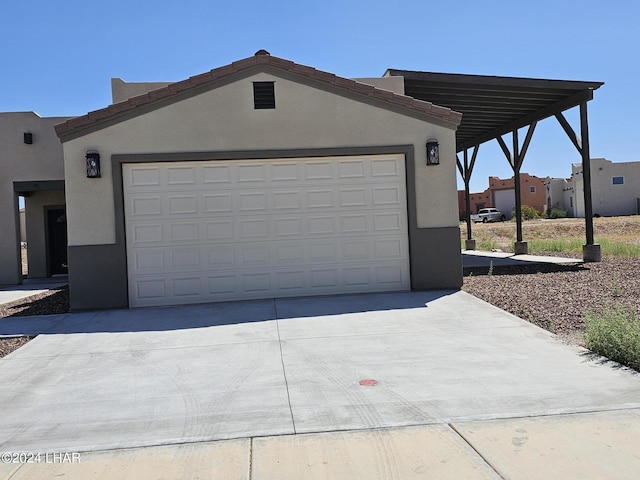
(253, 173)
(253, 228)
(388, 222)
(185, 258)
(216, 174)
(386, 167)
(287, 200)
(146, 233)
(150, 290)
(288, 226)
(389, 275)
(390, 249)
(355, 223)
(351, 169)
(183, 205)
(144, 207)
(187, 287)
(286, 172)
(219, 230)
(386, 196)
(254, 255)
(144, 177)
(218, 203)
(212, 231)
(318, 171)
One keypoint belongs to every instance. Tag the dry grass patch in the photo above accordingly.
(618, 236)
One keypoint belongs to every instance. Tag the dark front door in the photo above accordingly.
(57, 241)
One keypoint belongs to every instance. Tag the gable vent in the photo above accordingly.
(264, 95)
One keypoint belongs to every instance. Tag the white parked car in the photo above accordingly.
(485, 215)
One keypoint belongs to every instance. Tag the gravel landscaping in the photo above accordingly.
(47, 303)
(556, 298)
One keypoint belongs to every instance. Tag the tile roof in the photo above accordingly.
(93, 120)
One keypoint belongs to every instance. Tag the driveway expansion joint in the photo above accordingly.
(484, 459)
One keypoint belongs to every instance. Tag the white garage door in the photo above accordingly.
(505, 201)
(229, 230)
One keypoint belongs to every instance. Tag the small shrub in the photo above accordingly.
(615, 334)
(556, 213)
(528, 213)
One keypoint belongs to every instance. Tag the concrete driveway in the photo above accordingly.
(301, 388)
(99, 381)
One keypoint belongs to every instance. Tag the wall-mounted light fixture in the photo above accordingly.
(433, 152)
(93, 164)
(28, 138)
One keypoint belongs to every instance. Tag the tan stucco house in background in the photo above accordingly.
(615, 189)
(260, 179)
(31, 166)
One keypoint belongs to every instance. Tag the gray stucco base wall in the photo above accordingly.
(97, 277)
(436, 261)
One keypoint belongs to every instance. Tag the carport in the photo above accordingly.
(493, 107)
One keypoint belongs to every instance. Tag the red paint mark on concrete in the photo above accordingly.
(368, 382)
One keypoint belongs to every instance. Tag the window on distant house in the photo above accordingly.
(264, 96)
(532, 189)
(571, 202)
(618, 180)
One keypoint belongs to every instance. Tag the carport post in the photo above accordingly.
(465, 172)
(516, 160)
(516, 185)
(590, 251)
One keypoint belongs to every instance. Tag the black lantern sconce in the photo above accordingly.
(433, 152)
(93, 164)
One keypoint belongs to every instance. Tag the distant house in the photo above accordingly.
(615, 189)
(501, 195)
(560, 194)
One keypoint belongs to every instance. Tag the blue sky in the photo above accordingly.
(58, 57)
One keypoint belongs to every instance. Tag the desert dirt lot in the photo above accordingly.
(554, 298)
(557, 298)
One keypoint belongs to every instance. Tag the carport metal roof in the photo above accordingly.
(493, 106)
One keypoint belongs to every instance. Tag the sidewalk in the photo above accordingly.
(602, 446)
(29, 287)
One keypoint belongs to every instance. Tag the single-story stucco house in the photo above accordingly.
(260, 179)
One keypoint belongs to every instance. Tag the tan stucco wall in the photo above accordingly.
(225, 119)
(609, 199)
(42, 160)
(36, 228)
(121, 90)
(392, 84)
